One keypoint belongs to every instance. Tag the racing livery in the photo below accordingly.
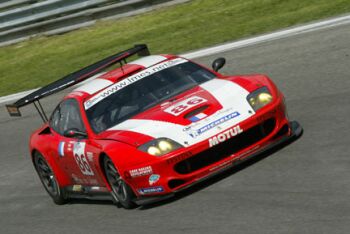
(151, 127)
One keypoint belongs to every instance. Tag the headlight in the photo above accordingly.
(160, 146)
(259, 98)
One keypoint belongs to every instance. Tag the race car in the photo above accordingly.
(152, 127)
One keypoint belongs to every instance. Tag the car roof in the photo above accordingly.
(102, 81)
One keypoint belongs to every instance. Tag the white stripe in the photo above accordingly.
(94, 86)
(238, 44)
(231, 96)
(149, 60)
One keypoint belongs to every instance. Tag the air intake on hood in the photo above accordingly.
(195, 111)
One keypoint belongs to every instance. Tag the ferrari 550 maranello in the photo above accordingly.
(151, 127)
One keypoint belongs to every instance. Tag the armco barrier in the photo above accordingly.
(8, 4)
(43, 10)
(74, 19)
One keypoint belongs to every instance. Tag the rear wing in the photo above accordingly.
(72, 79)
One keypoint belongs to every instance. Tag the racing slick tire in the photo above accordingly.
(48, 179)
(121, 192)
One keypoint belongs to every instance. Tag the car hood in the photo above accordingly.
(188, 118)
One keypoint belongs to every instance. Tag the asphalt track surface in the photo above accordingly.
(303, 187)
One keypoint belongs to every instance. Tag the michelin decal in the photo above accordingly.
(196, 132)
(157, 189)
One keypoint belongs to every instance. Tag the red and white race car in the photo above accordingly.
(151, 127)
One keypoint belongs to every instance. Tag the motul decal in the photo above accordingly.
(225, 135)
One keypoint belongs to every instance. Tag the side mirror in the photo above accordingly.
(218, 64)
(75, 133)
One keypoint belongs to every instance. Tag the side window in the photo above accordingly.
(66, 116)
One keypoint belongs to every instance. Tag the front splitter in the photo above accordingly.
(296, 132)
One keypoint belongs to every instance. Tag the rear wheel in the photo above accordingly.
(48, 179)
(121, 191)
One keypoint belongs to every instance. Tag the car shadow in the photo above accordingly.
(86, 201)
(210, 181)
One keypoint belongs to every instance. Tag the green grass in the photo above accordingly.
(176, 29)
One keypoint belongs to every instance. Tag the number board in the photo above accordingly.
(80, 158)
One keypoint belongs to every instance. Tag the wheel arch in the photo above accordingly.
(117, 165)
(62, 179)
(101, 158)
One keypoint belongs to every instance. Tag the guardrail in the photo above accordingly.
(7, 4)
(43, 10)
(59, 16)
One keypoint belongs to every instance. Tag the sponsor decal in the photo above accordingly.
(61, 149)
(181, 107)
(246, 153)
(95, 188)
(223, 164)
(80, 158)
(153, 179)
(196, 132)
(141, 171)
(76, 179)
(225, 135)
(89, 103)
(198, 117)
(130, 80)
(70, 146)
(98, 189)
(179, 158)
(93, 181)
(157, 189)
(90, 156)
(77, 188)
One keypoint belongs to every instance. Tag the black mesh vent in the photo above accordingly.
(226, 149)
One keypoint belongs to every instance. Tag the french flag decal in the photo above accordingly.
(61, 149)
(197, 117)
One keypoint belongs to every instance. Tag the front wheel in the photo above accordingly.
(121, 191)
(48, 179)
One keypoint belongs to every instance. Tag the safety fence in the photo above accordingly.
(24, 19)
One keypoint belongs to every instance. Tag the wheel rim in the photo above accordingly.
(117, 184)
(46, 176)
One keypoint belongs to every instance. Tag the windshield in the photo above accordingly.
(144, 94)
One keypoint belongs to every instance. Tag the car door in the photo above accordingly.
(77, 156)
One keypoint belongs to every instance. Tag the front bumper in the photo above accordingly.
(295, 132)
(187, 166)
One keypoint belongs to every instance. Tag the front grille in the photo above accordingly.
(226, 149)
(282, 132)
